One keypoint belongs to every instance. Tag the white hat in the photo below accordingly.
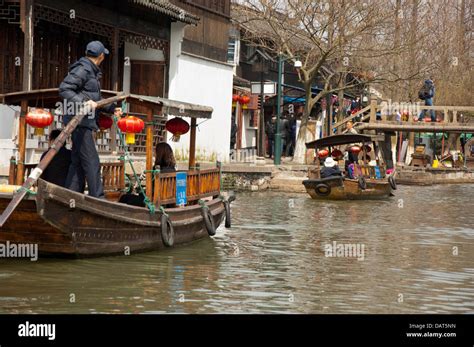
(329, 162)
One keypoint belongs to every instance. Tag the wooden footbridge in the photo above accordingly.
(377, 117)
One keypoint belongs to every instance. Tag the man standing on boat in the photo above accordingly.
(81, 87)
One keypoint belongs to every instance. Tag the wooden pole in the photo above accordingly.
(149, 152)
(115, 82)
(27, 27)
(373, 110)
(28, 31)
(192, 145)
(20, 171)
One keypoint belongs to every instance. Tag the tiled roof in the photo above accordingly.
(165, 7)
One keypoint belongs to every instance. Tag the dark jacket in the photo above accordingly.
(330, 171)
(80, 85)
(270, 130)
(57, 170)
(285, 130)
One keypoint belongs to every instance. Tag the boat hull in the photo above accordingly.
(429, 176)
(65, 223)
(348, 189)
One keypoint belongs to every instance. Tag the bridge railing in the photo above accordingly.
(388, 114)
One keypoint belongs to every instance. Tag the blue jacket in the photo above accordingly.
(80, 85)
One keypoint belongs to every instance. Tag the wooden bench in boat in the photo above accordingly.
(199, 184)
(359, 170)
(113, 177)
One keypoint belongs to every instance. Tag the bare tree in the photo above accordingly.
(335, 40)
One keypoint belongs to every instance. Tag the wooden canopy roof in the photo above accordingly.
(48, 98)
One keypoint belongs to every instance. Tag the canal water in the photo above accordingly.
(412, 254)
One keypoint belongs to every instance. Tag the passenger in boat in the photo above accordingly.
(164, 158)
(164, 161)
(81, 87)
(57, 169)
(330, 169)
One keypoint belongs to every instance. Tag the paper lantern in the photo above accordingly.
(39, 119)
(336, 154)
(235, 99)
(130, 125)
(323, 153)
(177, 126)
(105, 122)
(244, 100)
(355, 149)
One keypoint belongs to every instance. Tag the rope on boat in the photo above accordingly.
(126, 157)
(163, 212)
(28, 191)
(203, 204)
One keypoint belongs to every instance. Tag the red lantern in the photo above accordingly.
(355, 149)
(105, 122)
(177, 126)
(130, 125)
(323, 153)
(235, 99)
(244, 100)
(39, 119)
(336, 154)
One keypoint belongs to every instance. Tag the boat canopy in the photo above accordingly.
(342, 139)
(49, 98)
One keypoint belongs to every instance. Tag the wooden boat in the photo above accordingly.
(366, 186)
(427, 176)
(69, 224)
(421, 172)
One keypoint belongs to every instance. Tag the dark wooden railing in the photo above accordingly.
(14, 169)
(199, 184)
(113, 174)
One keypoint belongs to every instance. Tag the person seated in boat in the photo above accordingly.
(330, 169)
(164, 158)
(57, 170)
(164, 161)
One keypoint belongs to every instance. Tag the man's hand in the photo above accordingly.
(118, 112)
(90, 104)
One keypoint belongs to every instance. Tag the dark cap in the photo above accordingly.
(96, 48)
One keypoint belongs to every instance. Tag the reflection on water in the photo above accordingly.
(419, 258)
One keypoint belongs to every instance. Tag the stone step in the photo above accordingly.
(287, 181)
(300, 174)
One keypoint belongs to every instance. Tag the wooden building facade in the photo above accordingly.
(41, 38)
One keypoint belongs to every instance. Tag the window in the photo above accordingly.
(233, 50)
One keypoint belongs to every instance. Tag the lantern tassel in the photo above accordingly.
(39, 131)
(175, 137)
(130, 138)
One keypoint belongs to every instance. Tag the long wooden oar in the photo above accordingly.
(43, 164)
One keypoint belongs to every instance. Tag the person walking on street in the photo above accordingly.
(270, 130)
(285, 135)
(81, 88)
(427, 93)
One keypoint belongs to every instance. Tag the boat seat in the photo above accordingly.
(370, 171)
